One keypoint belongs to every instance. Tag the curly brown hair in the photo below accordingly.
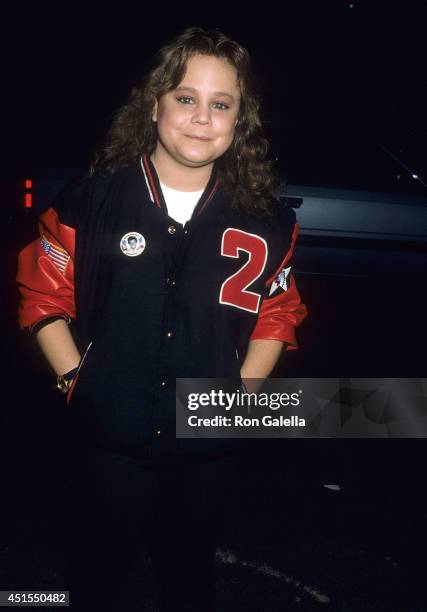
(244, 170)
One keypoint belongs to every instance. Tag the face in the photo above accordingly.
(196, 121)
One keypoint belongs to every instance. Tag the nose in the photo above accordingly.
(202, 114)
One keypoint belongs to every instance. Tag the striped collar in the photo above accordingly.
(155, 190)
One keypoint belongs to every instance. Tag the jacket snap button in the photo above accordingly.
(170, 334)
(171, 229)
(163, 384)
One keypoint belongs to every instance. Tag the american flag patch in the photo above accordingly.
(57, 254)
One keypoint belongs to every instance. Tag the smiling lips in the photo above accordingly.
(198, 137)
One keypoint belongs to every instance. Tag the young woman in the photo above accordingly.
(170, 258)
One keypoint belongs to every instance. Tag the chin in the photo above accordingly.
(199, 152)
(196, 160)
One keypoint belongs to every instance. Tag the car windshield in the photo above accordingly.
(350, 120)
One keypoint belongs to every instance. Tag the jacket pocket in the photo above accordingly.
(73, 384)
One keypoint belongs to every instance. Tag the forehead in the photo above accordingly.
(210, 73)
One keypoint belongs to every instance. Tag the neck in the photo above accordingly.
(177, 176)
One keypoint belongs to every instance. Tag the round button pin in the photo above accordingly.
(132, 244)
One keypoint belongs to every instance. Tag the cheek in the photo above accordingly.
(227, 128)
(163, 118)
(170, 117)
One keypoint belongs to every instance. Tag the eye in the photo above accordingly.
(184, 99)
(222, 105)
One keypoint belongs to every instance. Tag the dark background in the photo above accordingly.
(337, 78)
(341, 82)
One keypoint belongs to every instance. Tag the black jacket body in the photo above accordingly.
(185, 306)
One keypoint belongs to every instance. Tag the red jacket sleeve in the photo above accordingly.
(46, 273)
(281, 310)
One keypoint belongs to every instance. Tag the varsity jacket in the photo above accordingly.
(152, 300)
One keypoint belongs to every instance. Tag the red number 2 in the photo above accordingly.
(233, 289)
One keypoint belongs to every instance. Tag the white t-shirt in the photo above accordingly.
(180, 203)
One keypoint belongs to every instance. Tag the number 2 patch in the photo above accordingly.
(234, 288)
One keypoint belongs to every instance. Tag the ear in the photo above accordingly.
(154, 112)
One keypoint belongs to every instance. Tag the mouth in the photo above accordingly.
(202, 138)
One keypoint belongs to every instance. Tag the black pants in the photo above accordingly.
(118, 508)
